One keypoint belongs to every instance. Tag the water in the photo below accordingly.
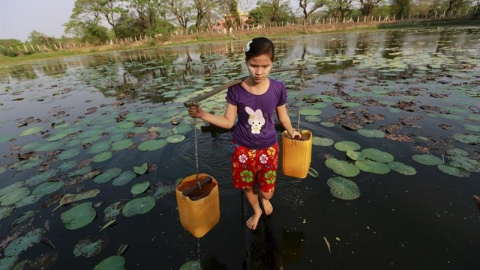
(427, 220)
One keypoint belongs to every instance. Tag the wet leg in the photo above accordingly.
(252, 198)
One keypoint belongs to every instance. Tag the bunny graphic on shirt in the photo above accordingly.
(255, 120)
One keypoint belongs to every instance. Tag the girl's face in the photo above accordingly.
(259, 67)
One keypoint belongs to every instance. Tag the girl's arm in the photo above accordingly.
(285, 120)
(226, 121)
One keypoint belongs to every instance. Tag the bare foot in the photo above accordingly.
(253, 221)
(267, 206)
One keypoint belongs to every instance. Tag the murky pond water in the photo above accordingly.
(111, 129)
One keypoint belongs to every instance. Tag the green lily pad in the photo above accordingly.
(322, 141)
(342, 167)
(78, 216)
(68, 154)
(140, 188)
(57, 137)
(344, 146)
(122, 144)
(453, 171)
(427, 159)
(124, 178)
(354, 155)
(24, 217)
(31, 199)
(141, 169)
(343, 188)
(377, 155)
(115, 262)
(402, 168)
(87, 248)
(465, 163)
(126, 125)
(152, 145)
(175, 138)
(48, 188)
(19, 245)
(310, 111)
(102, 156)
(467, 138)
(14, 196)
(6, 211)
(473, 128)
(371, 133)
(31, 131)
(99, 147)
(191, 265)
(372, 166)
(138, 206)
(107, 175)
(457, 152)
(48, 146)
(41, 177)
(8, 262)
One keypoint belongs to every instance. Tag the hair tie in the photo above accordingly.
(247, 48)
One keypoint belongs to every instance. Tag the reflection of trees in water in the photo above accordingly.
(23, 72)
(393, 44)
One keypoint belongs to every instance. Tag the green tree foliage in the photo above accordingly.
(367, 6)
(339, 9)
(401, 8)
(38, 38)
(271, 12)
(309, 7)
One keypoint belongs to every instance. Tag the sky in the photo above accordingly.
(18, 18)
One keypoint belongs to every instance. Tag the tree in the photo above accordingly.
(38, 38)
(271, 12)
(401, 8)
(313, 5)
(367, 6)
(182, 10)
(339, 8)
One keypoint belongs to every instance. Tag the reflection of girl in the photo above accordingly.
(255, 143)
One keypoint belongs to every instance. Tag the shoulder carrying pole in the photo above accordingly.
(217, 90)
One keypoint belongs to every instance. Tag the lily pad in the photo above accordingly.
(31, 131)
(465, 163)
(152, 145)
(343, 188)
(140, 188)
(19, 245)
(191, 265)
(354, 155)
(78, 216)
(14, 196)
(457, 152)
(47, 188)
(87, 248)
(342, 167)
(322, 141)
(371, 133)
(115, 262)
(377, 155)
(372, 166)
(122, 144)
(68, 154)
(57, 137)
(453, 171)
(310, 111)
(138, 206)
(8, 262)
(124, 178)
(112, 211)
(6, 211)
(175, 138)
(141, 169)
(99, 147)
(427, 159)
(344, 146)
(107, 175)
(402, 168)
(102, 156)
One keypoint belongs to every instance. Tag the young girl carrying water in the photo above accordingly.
(255, 144)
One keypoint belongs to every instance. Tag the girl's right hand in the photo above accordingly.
(195, 111)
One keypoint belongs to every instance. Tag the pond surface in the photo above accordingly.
(105, 127)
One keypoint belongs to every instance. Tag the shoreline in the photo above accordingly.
(293, 30)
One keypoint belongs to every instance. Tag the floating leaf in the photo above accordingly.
(14, 196)
(328, 244)
(108, 224)
(371, 133)
(343, 188)
(140, 188)
(8, 262)
(372, 166)
(124, 178)
(344, 146)
(313, 173)
(47, 188)
(87, 248)
(68, 154)
(19, 245)
(102, 156)
(427, 159)
(342, 167)
(57, 137)
(115, 262)
(310, 111)
(191, 265)
(6, 211)
(453, 171)
(457, 152)
(78, 216)
(321, 141)
(152, 145)
(465, 163)
(31, 131)
(107, 175)
(402, 168)
(175, 138)
(354, 155)
(141, 169)
(138, 206)
(112, 211)
(377, 155)
(99, 147)
(122, 144)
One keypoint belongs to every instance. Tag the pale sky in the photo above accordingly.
(20, 17)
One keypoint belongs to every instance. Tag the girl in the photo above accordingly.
(255, 143)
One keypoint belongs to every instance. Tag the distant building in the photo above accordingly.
(222, 23)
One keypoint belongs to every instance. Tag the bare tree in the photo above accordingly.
(182, 11)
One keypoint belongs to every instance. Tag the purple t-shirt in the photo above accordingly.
(255, 128)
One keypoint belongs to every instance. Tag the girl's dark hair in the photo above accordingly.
(259, 46)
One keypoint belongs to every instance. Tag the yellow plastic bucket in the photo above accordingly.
(198, 216)
(296, 154)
